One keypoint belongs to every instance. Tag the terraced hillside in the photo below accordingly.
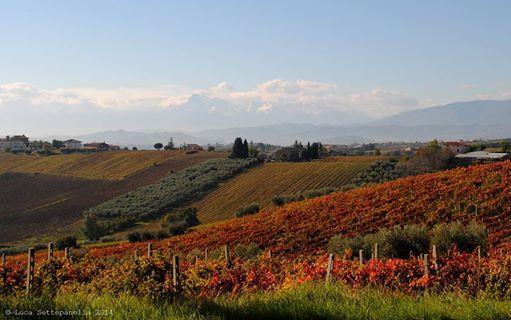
(102, 165)
(481, 193)
(40, 202)
(273, 179)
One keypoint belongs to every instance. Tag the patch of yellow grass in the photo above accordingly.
(111, 165)
(263, 183)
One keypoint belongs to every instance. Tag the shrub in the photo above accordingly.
(181, 220)
(465, 238)
(66, 242)
(134, 237)
(247, 251)
(396, 242)
(252, 208)
(410, 238)
(145, 236)
(278, 201)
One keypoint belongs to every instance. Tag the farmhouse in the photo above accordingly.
(457, 147)
(97, 146)
(15, 143)
(73, 144)
(482, 157)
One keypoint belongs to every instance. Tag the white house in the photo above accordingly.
(72, 143)
(15, 143)
(457, 147)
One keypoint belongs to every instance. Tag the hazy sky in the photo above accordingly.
(426, 52)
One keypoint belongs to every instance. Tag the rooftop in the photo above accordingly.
(483, 155)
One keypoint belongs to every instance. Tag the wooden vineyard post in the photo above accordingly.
(149, 249)
(136, 253)
(3, 259)
(50, 250)
(376, 251)
(269, 254)
(206, 254)
(361, 256)
(426, 266)
(30, 269)
(478, 252)
(66, 253)
(434, 256)
(329, 268)
(227, 259)
(175, 271)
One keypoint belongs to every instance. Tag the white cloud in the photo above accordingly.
(307, 97)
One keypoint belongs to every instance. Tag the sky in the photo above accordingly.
(361, 59)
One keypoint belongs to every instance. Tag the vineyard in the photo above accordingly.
(284, 247)
(36, 203)
(261, 184)
(102, 165)
(481, 193)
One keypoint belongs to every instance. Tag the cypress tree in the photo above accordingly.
(245, 149)
(237, 148)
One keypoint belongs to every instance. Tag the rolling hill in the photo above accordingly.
(115, 165)
(41, 194)
(280, 178)
(479, 112)
(481, 193)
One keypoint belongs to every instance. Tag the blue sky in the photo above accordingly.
(431, 51)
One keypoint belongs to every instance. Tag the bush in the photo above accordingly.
(247, 251)
(278, 201)
(339, 244)
(134, 237)
(181, 220)
(66, 242)
(252, 208)
(396, 242)
(410, 238)
(465, 238)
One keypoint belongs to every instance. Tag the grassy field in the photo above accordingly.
(113, 165)
(303, 302)
(46, 200)
(273, 179)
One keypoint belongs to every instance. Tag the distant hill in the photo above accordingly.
(480, 112)
(141, 140)
(482, 119)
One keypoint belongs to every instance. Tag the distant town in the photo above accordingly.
(478, 151)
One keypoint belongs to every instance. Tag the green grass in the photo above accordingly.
(303, 302)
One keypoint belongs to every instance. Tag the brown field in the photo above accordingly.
(113, 165)
(34, 203)
(280, 178)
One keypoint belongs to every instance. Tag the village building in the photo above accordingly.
(457, 147)
(72, 144)
(15, 143)
(482, 157)
(96, 146)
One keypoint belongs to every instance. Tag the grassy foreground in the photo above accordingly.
(303, 302)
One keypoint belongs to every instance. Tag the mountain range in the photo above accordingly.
(483, 119)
